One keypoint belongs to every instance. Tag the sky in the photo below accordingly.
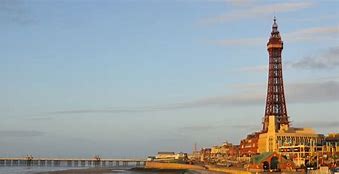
(129, 78)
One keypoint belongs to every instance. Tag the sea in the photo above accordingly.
(34, 170)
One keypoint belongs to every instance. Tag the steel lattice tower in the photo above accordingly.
(275, 99)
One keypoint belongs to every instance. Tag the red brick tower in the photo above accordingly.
(275, 99)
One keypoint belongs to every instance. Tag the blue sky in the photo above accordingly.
(128, 78)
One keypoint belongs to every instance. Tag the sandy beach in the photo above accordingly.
(81, 171)
(112, 171)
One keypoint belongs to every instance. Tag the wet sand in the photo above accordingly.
(112, 171)
(81, 171)
(138, 170)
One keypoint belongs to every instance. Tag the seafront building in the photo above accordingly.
(278, 141)
(249, 145)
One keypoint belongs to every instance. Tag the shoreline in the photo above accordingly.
(157, 167)
(140, 170)
(114, 170)
(209, 168)
(79, 171)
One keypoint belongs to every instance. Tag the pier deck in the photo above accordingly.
(71, 162)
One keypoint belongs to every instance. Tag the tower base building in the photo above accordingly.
(274, 138)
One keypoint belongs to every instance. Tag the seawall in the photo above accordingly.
(228, 170)
(158, 165)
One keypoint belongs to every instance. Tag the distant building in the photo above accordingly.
(205, 154)
(170, 156)
(222, 150)
(269, 161)
(249, 145)
(195, 155)
(330, 145)
(165, 155)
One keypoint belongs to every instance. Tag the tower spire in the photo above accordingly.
(275, 31)
(275, 99)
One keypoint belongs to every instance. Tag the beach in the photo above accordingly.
(115, 171)
(131, 171)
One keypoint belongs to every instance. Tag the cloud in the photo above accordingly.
(241, 41)
(314, 34)
(296, 93)
(15, 11)
(214, 127)
(40, 118)
(251, 127)
(260, 68)
(234, 2)
(248, 127)
(233, 100)
(318, 124)
(327, 60)
(311, 92)
(20, 133)
(195, 128)
(258, 10)
(111, 110)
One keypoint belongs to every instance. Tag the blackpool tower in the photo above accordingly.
(275, 99)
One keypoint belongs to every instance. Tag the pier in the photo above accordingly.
(71, 162)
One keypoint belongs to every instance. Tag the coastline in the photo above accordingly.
(139, 170)
(80, 171)
(157, 167)
(197, 168)
(113, 170)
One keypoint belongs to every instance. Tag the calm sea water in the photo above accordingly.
(33, 170)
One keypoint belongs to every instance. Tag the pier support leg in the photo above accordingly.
(125, 163)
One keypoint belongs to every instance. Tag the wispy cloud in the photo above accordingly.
(212, 127)
(20, 133)
(313, 92)
(258, 10)
(242, 41)
(259, 68)
(327, 60)
(312, 19)
(310, 92)
(195, 128)
(314, 34)
(251, 127)
(235, 2)
(318, 124)
(297, 93)
(15, 11)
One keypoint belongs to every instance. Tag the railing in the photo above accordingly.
(77, 162)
